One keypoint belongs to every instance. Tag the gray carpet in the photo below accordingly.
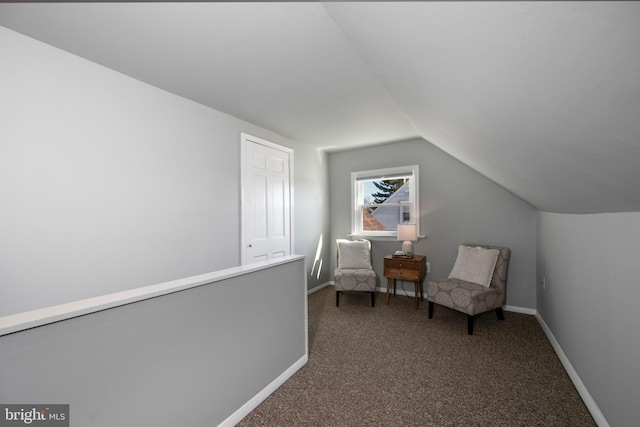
(392, 366)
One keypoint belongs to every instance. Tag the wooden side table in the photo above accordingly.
(413, 269)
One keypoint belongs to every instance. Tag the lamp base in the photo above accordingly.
(407, 246)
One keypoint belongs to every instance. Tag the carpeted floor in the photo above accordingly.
(392, 366)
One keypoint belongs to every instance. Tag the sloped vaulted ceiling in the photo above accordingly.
(541, 97)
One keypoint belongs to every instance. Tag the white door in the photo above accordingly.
(266, 228)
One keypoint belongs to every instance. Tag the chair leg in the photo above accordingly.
(373, 299)
(430, 309)
(337, 298)
(500, 313)
(470, 324)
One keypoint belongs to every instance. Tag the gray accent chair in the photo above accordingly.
(354, 272)
(471, 298)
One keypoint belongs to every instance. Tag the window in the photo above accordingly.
(384, 198)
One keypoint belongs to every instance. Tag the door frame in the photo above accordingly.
(246, 139)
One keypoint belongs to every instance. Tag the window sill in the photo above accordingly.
(370, 237)
(377, 238)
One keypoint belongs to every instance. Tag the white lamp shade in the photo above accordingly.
(407, 232)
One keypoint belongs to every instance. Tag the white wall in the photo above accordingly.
(590, 266)
(108, 183)
(312, 214)
(457, 205)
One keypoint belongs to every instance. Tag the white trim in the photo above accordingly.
(382, 173)
(575, 378)
(414, 183)
(31, 319)
(383, 290)
(319, 287)
(406, 292)
(399, 290)
(522, 310)
(374, 238)
(245, 138)
(245, 409)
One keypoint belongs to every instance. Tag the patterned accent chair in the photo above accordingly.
(354, 272)
(476, 284)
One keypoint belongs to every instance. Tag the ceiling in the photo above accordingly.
(541, 97)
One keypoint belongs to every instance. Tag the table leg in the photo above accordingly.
(388, 289)
(416, 286)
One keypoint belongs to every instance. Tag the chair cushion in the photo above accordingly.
(361, 279)
(468, 298)
(475, 265)
(353, 254)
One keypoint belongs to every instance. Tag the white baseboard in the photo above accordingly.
(317, 288)
(400, 290)
(577, 382)
(245, 409)
(521, 310)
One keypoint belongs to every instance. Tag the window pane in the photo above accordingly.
(370, 222)
(386, 190)
(384, 218)
(406, 215)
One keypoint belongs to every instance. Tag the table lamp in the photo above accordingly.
(407, 233)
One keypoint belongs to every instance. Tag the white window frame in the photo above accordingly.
(379, 174)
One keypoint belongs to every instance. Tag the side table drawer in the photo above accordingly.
(404, 269)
